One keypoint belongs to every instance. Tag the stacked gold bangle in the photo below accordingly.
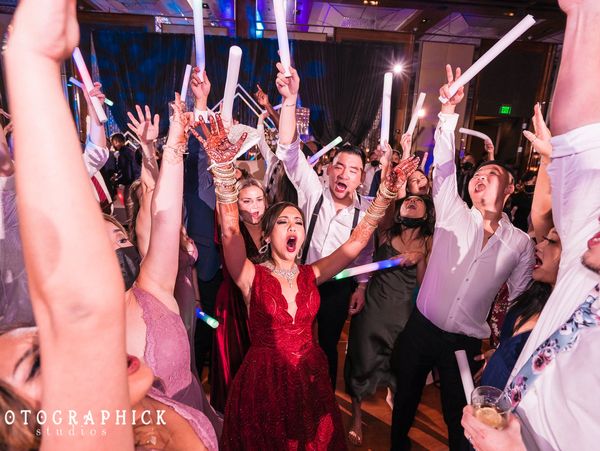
(174, 154)
(378, 207)
(225, 183)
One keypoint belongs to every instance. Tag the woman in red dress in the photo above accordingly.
(281, 397)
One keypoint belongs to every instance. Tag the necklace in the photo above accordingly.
(287, 274)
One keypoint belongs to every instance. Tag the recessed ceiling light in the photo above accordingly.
(205, 5)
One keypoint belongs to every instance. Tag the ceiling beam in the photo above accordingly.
(546, 28)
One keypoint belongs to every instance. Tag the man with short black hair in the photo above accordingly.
(474, 252)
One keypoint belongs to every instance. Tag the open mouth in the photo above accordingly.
(538, 262)
(479, 187)
(133, 364)
(594, 241)
(291, 244)
(340, 187)
(411, 207)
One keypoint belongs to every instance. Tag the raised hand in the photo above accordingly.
(48, 28)
(144, 126)
(540, 140)
(445, 90)
(287, 86)
(97, 92)
(217, 144)
(397, 177)
(200, 89)
(180, 122)
(261, 97)
(406, 144)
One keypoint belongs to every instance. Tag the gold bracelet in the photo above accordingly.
(174, 154)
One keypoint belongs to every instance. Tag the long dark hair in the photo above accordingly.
(530, 303)
(426, 229)
(267, 224)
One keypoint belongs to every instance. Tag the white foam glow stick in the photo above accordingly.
(465, 373)
(233, 72)
(386, 105)
(415, 115)
(475, 133)
(199, 36)
(77, 83)
(369, 267)
(510, 37)
(88, 83)
(313, 159)
(282, 36)
(186, 82)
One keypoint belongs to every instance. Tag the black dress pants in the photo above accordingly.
(332, 314)
(418, 348)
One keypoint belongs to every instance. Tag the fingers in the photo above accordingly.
(204, 130)
(530, 136)
(134, 122)
(213, 124)
(449, 74)
(240, 142)
(148, 114)
(156, 121)
(458, 72)
(200, 139)
(259, 89)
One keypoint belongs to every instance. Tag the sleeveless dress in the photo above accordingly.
(167, 353)
(231, 340)
(373, 331)
(281, 397)
(184, 291)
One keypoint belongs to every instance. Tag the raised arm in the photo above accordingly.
(158, 270)
(489, 149)
(96, 152)
(329, 266)
(300, 173)
(146, 129)
(221, 152)
(541, 207)
(7, 168)
(263, 100)
(75, 283)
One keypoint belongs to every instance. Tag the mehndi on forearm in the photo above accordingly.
(376, 211)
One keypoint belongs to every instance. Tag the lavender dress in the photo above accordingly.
(167, 353)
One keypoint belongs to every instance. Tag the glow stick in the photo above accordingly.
(233, 72)
(386, 104)
(312, 160)
(475, 133)
(369, 267)
(465, 373)
(510, 37)
(186, 82)
(415, 115)
(199, 36)
(89, 85)
(282, 36)
(206, 318)
(77, 83)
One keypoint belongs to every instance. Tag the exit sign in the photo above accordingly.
(505, 109)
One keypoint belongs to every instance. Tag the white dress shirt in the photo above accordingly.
(462, 278)
(560, 410)
(370, 171)
(332, 228)
(94, 157)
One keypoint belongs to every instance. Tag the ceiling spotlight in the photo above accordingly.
(422, 113)
(365, 2)
(398, 68)
(509, 14)
(205, 5)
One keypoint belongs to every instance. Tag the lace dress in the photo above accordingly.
(281, 397)
(167, 353)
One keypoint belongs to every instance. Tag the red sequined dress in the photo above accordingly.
(281, 397)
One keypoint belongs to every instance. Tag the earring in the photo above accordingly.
(264, 249)
(299, 256)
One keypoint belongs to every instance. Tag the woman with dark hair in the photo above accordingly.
(389, 302)
(231, 340)
(281, 397)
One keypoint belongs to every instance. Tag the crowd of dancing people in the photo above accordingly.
(100, 342)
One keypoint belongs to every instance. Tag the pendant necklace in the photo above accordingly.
(287, 274)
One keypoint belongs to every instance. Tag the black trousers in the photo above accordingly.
(418, 348)
(332, 314)
(204, 333)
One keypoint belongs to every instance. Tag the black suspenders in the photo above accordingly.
(313, 222)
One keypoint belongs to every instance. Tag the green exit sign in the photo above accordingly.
(505, 109)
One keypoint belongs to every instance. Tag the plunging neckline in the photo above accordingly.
(293, 318)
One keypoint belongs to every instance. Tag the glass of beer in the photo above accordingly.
(491, 406)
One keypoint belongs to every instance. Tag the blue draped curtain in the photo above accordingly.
(341, 83)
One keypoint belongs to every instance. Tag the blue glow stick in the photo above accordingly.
(369, 267)
(206, 318)
(324, 150)
(77, 83)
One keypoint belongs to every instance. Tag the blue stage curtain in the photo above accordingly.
(143, 69)
(342, 83)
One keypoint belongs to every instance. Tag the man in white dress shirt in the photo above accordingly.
(475, 251)
(331, 214)
(559, 411)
